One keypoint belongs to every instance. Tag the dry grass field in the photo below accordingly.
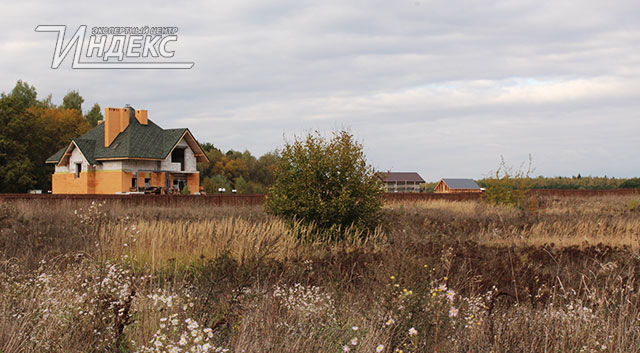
(437, 276)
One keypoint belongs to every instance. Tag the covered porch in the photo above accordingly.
(164, 182)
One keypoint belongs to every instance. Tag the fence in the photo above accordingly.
(156, 200)
(423, 196)
(258, 199)
(581, 193)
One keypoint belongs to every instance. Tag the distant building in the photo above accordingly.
(402, 182)
(450, 185)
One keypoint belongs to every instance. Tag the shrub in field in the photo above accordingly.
(326, 182)
(509, 186)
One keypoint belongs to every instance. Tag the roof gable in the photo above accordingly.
(86, 148)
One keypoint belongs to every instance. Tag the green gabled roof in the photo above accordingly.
(136, 141)
(56, 156)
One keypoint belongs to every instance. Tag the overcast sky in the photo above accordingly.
(443, 88)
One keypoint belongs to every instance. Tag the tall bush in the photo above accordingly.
(327, 182)
(508, 185)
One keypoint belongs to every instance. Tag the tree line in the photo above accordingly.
(33, 129)
(577, 182)
(234, 170)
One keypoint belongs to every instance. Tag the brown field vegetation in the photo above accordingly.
(438, 276)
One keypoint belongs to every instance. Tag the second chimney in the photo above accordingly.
(141, 115)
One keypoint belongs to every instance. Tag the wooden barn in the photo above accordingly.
(402, 181)
(450, 185)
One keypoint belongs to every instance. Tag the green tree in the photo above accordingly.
(326, 182)
(47, 102)
(94, 115)
(18, 131)
(214, 155)
(264, 168)
(631, 183)
(256, 173)
(24, 95)
(212, 184)
(73, 100)
(31, 131)
(255, 188)
(241, 186)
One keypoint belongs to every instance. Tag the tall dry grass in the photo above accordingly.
(160, 244)
(81, 277)
(564, 222)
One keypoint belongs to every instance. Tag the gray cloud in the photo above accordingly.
(440, 87)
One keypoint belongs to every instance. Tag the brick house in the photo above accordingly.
(127, 152)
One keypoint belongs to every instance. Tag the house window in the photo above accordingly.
(134, 182)
(147, 182)
(177, 156)
(78, 169)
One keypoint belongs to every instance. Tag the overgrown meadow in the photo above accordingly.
(436, 276)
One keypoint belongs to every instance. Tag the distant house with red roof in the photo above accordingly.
(402, 181)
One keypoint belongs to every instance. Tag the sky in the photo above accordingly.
(444, 88)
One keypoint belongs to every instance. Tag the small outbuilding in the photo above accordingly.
(402, 181)
(451, 185)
